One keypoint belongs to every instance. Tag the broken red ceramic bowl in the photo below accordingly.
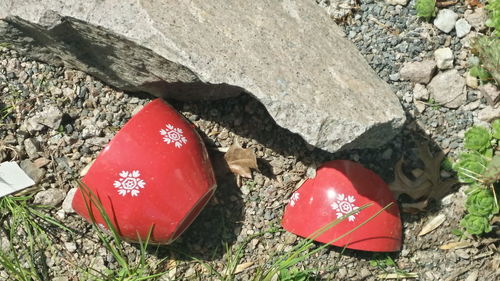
(154, 175)
(340, 187)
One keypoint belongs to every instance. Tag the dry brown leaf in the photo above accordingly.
(445, 3)
(403, 185)
(428, 183)
(456, 245)
(474, 3)
(432, 224)
(432, 172)
(241, 161)
(242, 267)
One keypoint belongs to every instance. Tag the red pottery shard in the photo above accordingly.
(340, 187)
(153, 176)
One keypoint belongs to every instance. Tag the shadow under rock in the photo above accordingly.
(248, 118)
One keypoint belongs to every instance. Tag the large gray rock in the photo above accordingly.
(287, 54)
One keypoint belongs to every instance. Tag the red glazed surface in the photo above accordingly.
(154, 172)
(338, 188)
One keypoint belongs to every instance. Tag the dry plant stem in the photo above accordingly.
(442, 4)
(7, 147)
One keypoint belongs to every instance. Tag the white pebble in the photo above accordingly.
(462, 27)
(445, 20)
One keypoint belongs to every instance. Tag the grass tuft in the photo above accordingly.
(127, 270)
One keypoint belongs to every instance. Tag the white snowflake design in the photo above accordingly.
(343, 205)
(129, 182)
(173, 135)
(294, 198)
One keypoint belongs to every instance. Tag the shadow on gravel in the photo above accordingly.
(246, 117)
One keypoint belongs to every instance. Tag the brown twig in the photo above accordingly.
(446, 3)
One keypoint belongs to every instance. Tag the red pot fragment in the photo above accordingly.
(155, 174)
(340, 187)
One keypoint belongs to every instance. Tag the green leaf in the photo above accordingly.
(294, 275)
(470, 166)
(389, 261)
(477, 138)
(488, 153)
(475, 224)
(482, 202)
(493, 21)
(495, 129)
(481, 73)
(457, 232)
(447, 164)
(426, 9)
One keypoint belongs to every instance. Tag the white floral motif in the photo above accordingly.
(173, 135)
(294, 198)
(129, 182)
(344, 205)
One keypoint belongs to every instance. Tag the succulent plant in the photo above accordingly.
(470, 166)
(475, 224)
(477, 138)
(487, 48)
(426, 9)
(482, 202)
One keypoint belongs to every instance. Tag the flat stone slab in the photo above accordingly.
(289, 55)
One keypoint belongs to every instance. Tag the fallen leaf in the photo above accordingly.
(242, 267)
(432, 224)
(398, 275)
(456, 245)
(474, 3)
(432, 171)
(403, 185)
(428, 183)
(241, 161)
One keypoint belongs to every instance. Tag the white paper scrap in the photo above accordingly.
(13, 178)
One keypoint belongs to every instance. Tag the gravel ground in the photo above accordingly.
(61, 119)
